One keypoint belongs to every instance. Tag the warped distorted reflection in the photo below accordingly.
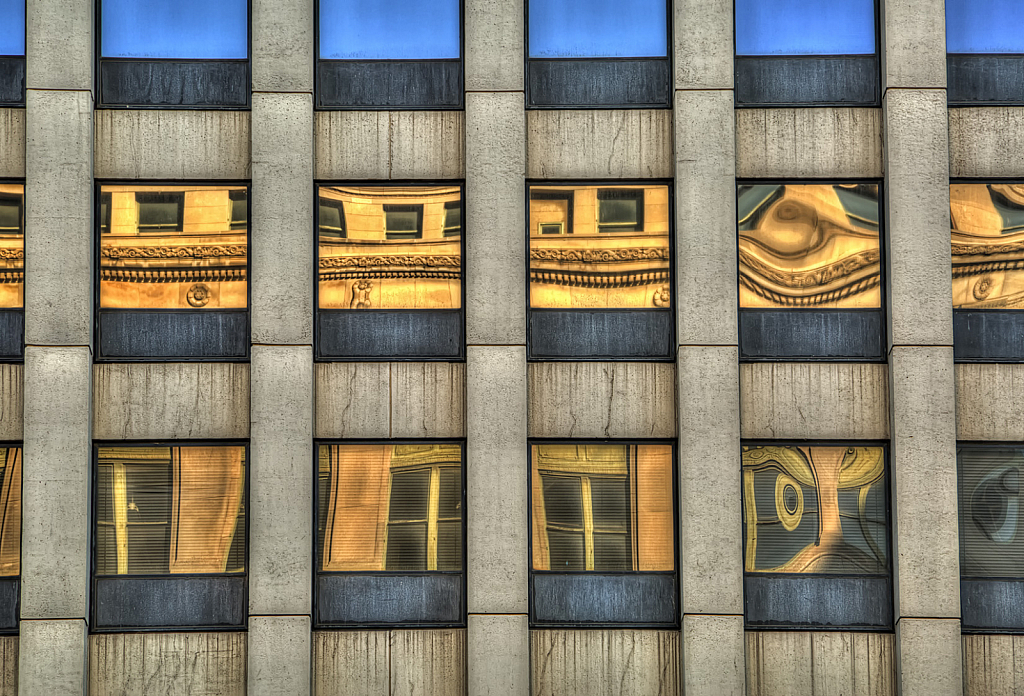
(987, 223)
(12, 246)
(991, 544)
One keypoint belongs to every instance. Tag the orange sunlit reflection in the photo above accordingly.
(988, 245)
(12, 246)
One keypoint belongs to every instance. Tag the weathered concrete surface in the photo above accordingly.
(615, 662)
(498, 654)
(494, 45)
(428, 399)
(167, 144)
(929, 657)
(170, 401)
(713, 656)
(826, 142)
(993, 665)
(913, 44)
(798, 663)
(170, 664)
(9, 666)
(988, 398)
(703, 44)
(11, 401)
(59, 45)
(12, 143)
(279, 656)
(599, 143)
(609, 399)
(389, 145)
(428, 662)
(986, 141)
(282, 46)
(826, 401)
(52, 657)
(351, 663)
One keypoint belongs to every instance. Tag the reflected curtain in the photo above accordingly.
(207, 492)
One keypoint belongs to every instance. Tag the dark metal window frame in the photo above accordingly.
(318, 104)
(672, 310)
(889, 550)
(317, 573)
(97, 236)
(317, 355)
(744, 60)
(675, 534)
(15, 578)
(594, 65)
(93, 520)
(17, 315)
(178, 199)
(884, 270)
(416, 208)
(99, 61)
(967, 63)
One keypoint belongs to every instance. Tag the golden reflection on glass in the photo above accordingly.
(813, 246)
(604, 508)
(390, 247)
(173, 247)
(170, 510)
(10, 509)
(599, 247)
(987, 223)
(815, 510)
(12, 246)
(991, 524)
(390, 507)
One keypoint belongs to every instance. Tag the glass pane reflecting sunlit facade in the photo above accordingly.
(984, 26)
(810, 246)
(210, 29)
(598, 28)
(805, 27)
(390, 247)
(390, 29)
(173, 247)
(10, 511)
(12, 246)
(599, 247)
(987, 223)
(602, 507)
(12, 27)
(991, 534)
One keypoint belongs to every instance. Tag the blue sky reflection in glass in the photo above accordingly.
(598, 29)
(12, 27)
(984, 26)
(805, 27)
(186, 29)
(390, 29)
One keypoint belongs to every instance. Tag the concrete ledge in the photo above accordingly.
(353, 145)
(170, 401)
(609, 399)
(820, 664)
(828, 143)
(581, 663)
(827, 401)
(12, 143)
(11, 401)
(993, 665)
(161, 144)
(599, 143)
(986, 141)
(166, 663)
(988, 398)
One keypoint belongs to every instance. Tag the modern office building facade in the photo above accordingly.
(507, 347)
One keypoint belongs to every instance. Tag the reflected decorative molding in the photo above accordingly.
(599, 255)
(12, 277)
(171, 252)
(987, 245)
(12, 254)
(372, 261)
(584, 279)
(172, 275)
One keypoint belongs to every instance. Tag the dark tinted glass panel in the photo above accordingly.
(239, 210)
(598, 28)
(160, 212)
(813, 246)
(991, 534)
(987, 223)
(175, 29)
(332, 218)
(984, 26)
(390, 507)
(805, 27)
(12, 246)
(12, 27)
(819, 510)
(453, 218)
(389, 29)
(602, 508)
(403, 221)
(170, 510)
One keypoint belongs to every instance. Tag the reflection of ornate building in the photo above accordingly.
(988, 245)
(12, 246)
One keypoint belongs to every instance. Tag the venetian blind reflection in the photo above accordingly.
(10, 511)
(598, 28)
(211, 29)
(12, 27)
(987, 223)
(603, 508)
(170, 510)
(390, 507)
(991, 538)
(805, 27)
(390, 247)
(599, 247)
(12, 246)
(809, 245)
(815, 510)
(390, 29)
(173, 247)
(984, 26)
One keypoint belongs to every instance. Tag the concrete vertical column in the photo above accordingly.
(924, 512)
(710, 542)
(58, 357)
(497, 516)
(281, 407)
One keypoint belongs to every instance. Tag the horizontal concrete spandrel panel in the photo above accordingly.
(174, 664)
(597, 143)
(165, 144)
(993, 665)
(572, 663)
(820, 663)
(166, 401)
(8, 665)
(389, 145)
(11, 401)
(826, 401)
(398, 662)
(988, 397)
(602, 399)
(12, 143)
(829, 143)
(986, 141)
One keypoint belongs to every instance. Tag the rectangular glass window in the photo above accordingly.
(12, 246)
(987, 221)
(10, 515)
(602, 507)
(984, 26)
(453, 219)
(190, 29)
(170, 510)
(991, 534)
(404, 221)
(12, 27)
(598, 29)
(805, 27)
(390, 29)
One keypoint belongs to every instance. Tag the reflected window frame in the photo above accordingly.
(12, 319)
(397, 574)
(12, 70)
(599, 575)
(95, 578)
